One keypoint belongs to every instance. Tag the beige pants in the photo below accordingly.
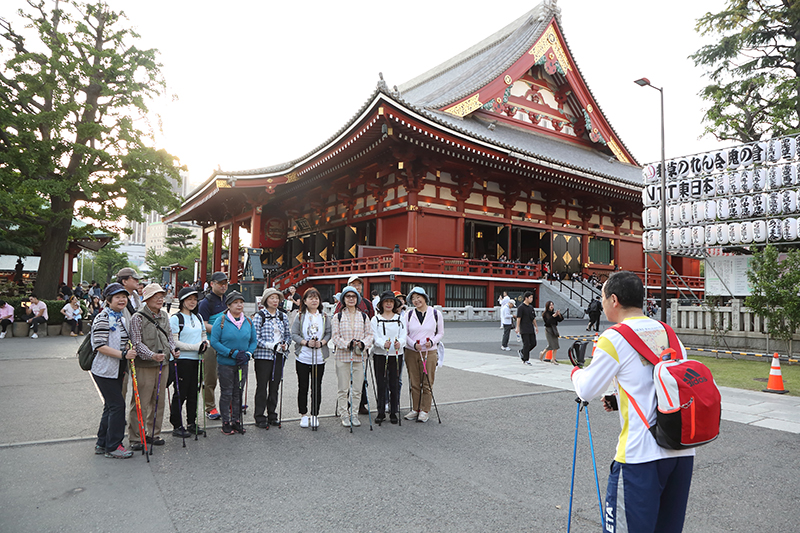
(147, 381)
(210, 377)
(416, 377)
(343, 380)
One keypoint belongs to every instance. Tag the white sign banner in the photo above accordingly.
(730, 270)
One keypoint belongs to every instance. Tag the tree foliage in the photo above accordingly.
(753, 68)
(74, 134)
(179, 250)
(775, 283)
(179, 236)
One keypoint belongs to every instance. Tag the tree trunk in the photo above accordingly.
(56, 237)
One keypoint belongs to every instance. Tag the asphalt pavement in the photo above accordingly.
(500, 460)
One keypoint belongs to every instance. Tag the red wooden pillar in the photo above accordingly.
(585, 250)
(442, 292)
(460, 234)
(233, 254)
(508, 240)
(256, 228)
(216, 263)
(204, 256)
(413, 211)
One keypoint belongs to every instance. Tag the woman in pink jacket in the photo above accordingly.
(425, 329)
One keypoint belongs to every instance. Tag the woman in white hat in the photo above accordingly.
(311, 332)
(274, 336)
(389, 340)
(352, 337)
(189, 335)
(424, 331)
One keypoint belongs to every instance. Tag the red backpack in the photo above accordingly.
(689, 405)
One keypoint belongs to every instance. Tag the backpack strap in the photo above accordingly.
(638, 344)
(180, 324)
(159, 328)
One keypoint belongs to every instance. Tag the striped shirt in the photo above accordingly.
(102, 335)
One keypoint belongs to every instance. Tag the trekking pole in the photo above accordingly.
(244, 398)
(399, 391)
(314, 390)
(594, 463)
(280, 403)
(202, 371)
(180, 403)
(155, 410)
(241, 400)
(430, 387)
(574, 456)
(366, 392)
(142, 436)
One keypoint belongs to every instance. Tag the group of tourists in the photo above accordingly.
(210, 341)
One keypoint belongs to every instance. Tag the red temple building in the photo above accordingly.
(499, 152)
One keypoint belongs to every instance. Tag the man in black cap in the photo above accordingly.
(210, 308)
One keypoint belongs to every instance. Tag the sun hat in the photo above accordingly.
(269, 292)
(420, 291)
(388, 295)
(185, 293)
(151, 290)
(347, 290)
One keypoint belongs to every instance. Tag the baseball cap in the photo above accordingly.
(219, 276)
(128, 272)
(353, 278)
(115, 288)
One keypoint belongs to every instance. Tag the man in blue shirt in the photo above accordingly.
(211, 308)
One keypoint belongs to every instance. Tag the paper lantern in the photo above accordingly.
(775, 177)
(745, 155)
(721, 160)
(698, 212)
(683, 167)
(759, 180)
(722, 234)
(788, 201)
(735, 233)
(789, 229)
(708, 164)
(760, 152)
(673, 215)
(698, 236)
(747, 232)
(774, 230)
(788, 148)
(723, 184)
(774, 204)
(650, 173)
(673, 239)
(733, 158)
(686, 212)
(746, 183)
(788, 175)
(734, 183)
(759, 205)
(774, 150)
(722, 208)
(734, 211)
(711, 210)
(711, 234)
(696, 165)
(759, 231)
(686, 237)
(745, 206)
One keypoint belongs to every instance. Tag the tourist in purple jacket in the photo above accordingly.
(424, 330)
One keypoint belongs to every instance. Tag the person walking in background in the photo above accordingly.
(152, 338)
(190, 337)
(233, 338)
(110, 339)
(527, 327)
(6, 317)
(351, 333)
(73, 315)
(648, 487)
(311, 332)
(273, 336)
(211, 308)
(551, 317)
(507, 321)
(37, 311)
(424, 330)
(595, 310)
(389, 340)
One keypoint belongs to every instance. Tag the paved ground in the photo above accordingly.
(500, 460)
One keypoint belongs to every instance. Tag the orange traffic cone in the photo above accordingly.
(775, 383)
(594, 343)
(548, 356)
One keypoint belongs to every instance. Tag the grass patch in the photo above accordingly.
(742, 374)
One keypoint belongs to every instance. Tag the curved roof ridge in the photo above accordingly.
(472, 51)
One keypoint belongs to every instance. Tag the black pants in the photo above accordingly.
(112, 422)
(387, 373)
(594, 319)
(75, 325)
(187, 383)
(267, 379)
(36, 321)
(304, 378)
(5, 323)
(528, 344)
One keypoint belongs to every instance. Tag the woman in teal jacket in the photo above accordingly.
(234, 339)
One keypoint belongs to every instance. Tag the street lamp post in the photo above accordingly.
(644, 82)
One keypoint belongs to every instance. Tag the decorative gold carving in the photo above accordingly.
(223, 184)
(617, 151)
(547, 41)
(508, 79)
(589, 108)
(292, 177)
(466, 107)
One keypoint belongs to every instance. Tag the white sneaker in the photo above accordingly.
(346, 420)
(313, 422)
(34, 336)
(423, 417)
(304, 422)
(356, 422)
(2, 334)
(412, 415)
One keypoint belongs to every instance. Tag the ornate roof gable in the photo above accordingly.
(544, 91)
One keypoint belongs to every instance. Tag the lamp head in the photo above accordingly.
(642, 82)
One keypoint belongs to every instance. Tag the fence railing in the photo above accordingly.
(732, 318)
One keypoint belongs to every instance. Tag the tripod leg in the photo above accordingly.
(574, 457)
(594, 464)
